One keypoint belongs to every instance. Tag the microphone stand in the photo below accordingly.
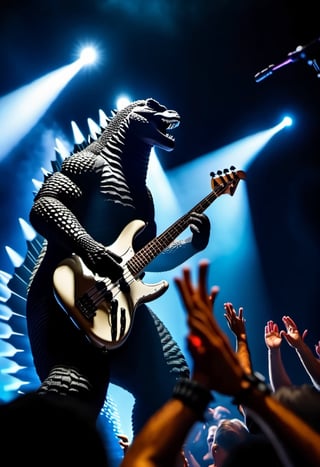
(307, 53)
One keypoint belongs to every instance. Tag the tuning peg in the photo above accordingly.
(232, 167)
(212, 174)
(219, 172)
(225, 171)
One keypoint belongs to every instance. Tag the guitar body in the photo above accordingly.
(102, 309)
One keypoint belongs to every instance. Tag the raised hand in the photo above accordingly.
(236, 321)
(272, 335)
(292, 334)
(219, 412)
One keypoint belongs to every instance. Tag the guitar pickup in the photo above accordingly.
(86, 306)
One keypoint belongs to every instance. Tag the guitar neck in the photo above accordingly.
(152, 249)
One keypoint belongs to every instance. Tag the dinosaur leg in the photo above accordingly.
(147, 365)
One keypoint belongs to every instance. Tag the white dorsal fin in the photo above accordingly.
(94, 128)
(27, 230)
(103, 119)
(77, 135)
(15, 258)
(61, 149)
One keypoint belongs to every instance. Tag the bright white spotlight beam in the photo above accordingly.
(23, 108)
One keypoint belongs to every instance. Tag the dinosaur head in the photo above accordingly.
(151, 122)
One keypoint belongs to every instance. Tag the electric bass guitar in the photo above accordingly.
(105, 310)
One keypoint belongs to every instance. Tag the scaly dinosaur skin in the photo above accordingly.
(82, 209)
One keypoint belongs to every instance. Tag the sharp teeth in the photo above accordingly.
(172, 125)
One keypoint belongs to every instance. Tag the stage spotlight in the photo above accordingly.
(122, 102)
(287, 121)
(88, 55)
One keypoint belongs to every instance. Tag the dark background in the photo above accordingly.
(198, 57)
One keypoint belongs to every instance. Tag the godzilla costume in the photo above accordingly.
(81, 209)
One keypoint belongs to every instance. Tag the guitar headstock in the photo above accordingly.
(226, 181)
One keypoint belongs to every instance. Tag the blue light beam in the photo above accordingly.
(22, 109)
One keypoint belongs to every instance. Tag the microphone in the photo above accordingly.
(306, 52)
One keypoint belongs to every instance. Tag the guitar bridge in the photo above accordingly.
(87, 303)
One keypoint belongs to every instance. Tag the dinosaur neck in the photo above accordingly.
(135, 165)
(131, 156)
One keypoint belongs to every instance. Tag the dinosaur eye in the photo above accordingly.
(154, 105)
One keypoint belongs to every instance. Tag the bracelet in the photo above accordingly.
(257, 381)
(193, 394)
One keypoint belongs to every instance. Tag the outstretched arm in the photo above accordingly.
(277, 373)
(180, 251)
(236, 323)
(159, 442)
(309, 361)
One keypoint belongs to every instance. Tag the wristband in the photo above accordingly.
(257, 381)
(193, 395)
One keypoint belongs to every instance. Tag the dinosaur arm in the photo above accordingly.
(55, 222)
(51, 216)
(180, 251)
(176, 254)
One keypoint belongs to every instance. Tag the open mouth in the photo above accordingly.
(167, 124)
